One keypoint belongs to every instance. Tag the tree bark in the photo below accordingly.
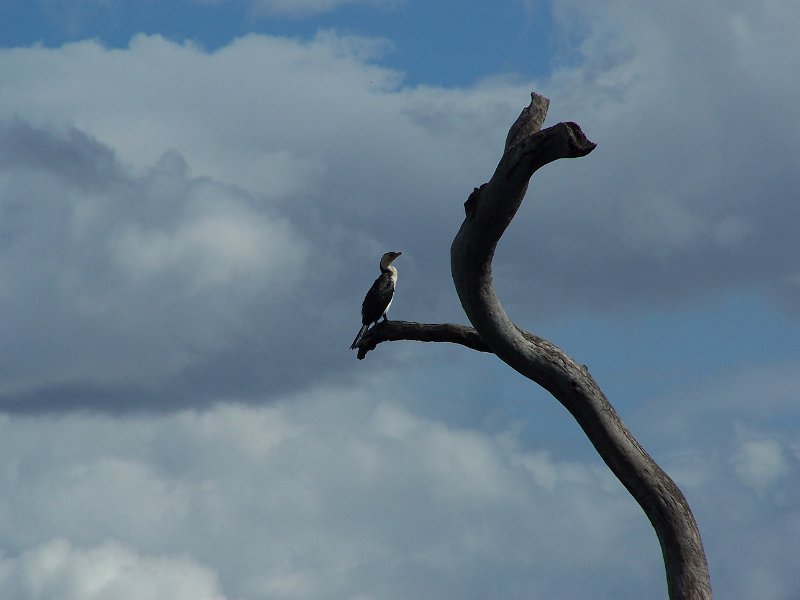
(489, 210)
(393, 331)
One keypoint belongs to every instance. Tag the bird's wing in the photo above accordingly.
(377, 299)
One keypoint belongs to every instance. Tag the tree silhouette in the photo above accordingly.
(489, 210)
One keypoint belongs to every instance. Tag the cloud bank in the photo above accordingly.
(194, 207)
(333, 494)
(328, 496)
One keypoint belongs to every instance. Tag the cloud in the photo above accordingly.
(58, 569)
(673, 204)
(185, 239)
(760, 395)
(300, 8)
(689, 190)
(760, 464)
(305, 8)
(121, 278)
(232, 204)
(730, 442)
(324, 495)
(337, 493)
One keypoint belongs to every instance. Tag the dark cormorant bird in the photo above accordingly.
(379, 297)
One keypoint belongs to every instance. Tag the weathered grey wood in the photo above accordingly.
(393, 331)
(452, 333)
(489, 210)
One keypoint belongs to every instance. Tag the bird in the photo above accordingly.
(379, 297)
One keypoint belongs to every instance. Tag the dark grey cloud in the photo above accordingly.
(117, 284)
(150, 289)
(191, 262)
(183, 240)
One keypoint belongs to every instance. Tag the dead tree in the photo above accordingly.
(489, 210)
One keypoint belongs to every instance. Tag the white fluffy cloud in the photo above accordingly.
(691, 187)
(333, 494)
(761, 463)
(689, 105)
(108, 571)
(312, 498)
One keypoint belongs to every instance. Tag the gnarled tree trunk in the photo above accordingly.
(489, 210)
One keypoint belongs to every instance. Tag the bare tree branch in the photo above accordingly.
(489, 210)
(393, 331)
(451, 333)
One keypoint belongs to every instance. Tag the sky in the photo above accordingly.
(194, 196)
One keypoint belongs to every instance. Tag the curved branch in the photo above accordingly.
(489, 210)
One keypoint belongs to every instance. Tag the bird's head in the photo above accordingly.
(387, 258)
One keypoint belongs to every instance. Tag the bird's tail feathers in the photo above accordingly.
(361, 333)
